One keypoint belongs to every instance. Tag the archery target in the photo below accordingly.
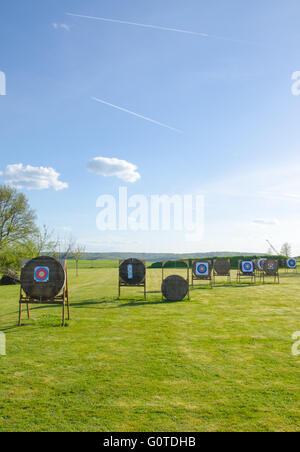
(247, 267)
(41, 274)
(260, 263)
(271, 266)
(202, 269)
(291, 263)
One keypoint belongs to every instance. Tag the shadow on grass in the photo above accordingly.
(134, 303)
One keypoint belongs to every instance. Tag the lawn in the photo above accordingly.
(222, 361)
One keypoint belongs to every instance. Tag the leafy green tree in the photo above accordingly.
(17, 219)
(17, 229)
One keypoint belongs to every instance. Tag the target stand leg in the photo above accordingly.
(63, 315)
(20, 313)
(28, 312)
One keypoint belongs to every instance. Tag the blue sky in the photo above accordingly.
(229, 94)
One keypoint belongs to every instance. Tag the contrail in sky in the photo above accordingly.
(136, 114)
(158, 27)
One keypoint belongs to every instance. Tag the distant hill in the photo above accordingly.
(157, 257)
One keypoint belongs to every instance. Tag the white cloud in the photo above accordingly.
(63, 26)
(266, 221)
(114, 167)
(33, 177)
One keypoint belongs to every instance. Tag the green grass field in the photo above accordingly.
(221, 362)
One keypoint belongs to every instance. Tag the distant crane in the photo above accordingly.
(272, 247)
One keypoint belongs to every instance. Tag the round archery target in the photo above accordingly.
(132, 271)
(247, 267)
(41, 274)
(260, 263)
(202, 269)
(292, 263)
(271, 266)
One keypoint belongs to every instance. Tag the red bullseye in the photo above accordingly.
(41, 274)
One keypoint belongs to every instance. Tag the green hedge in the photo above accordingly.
(233, 261)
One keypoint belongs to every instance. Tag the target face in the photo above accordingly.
(260, 263)
(202, 269)
(292, 263)
(129, 271)
(247, 267)
(41, 274)
(271, 266)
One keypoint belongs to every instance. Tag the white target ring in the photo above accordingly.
(202, 269)
(247, 267)
(292, 263)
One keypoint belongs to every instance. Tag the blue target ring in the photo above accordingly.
(41, 274)
(247, 267)
(202, 269)
(292, 263)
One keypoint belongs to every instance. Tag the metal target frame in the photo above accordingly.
(186, 262)
(208, 277)
(61, 299)
(241, 274)
(123, 283)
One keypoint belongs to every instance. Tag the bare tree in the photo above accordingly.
(45, 243)
(77, 255)
(66, 246)
(286, 249)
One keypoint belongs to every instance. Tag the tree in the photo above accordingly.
(17, 229)
(17, 219)
(77, 254)
(45, 243)
(286, 250)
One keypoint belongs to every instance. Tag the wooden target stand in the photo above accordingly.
(271, 272)
(187, 279)
(221, 268)
(242, 274)
(61, 299)
(207, 277)
(123, 283)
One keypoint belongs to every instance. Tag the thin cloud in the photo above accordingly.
(157, 27)
(63, 26)
(109, 167)
(136, 114)
(266, 221)
(33, 177)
